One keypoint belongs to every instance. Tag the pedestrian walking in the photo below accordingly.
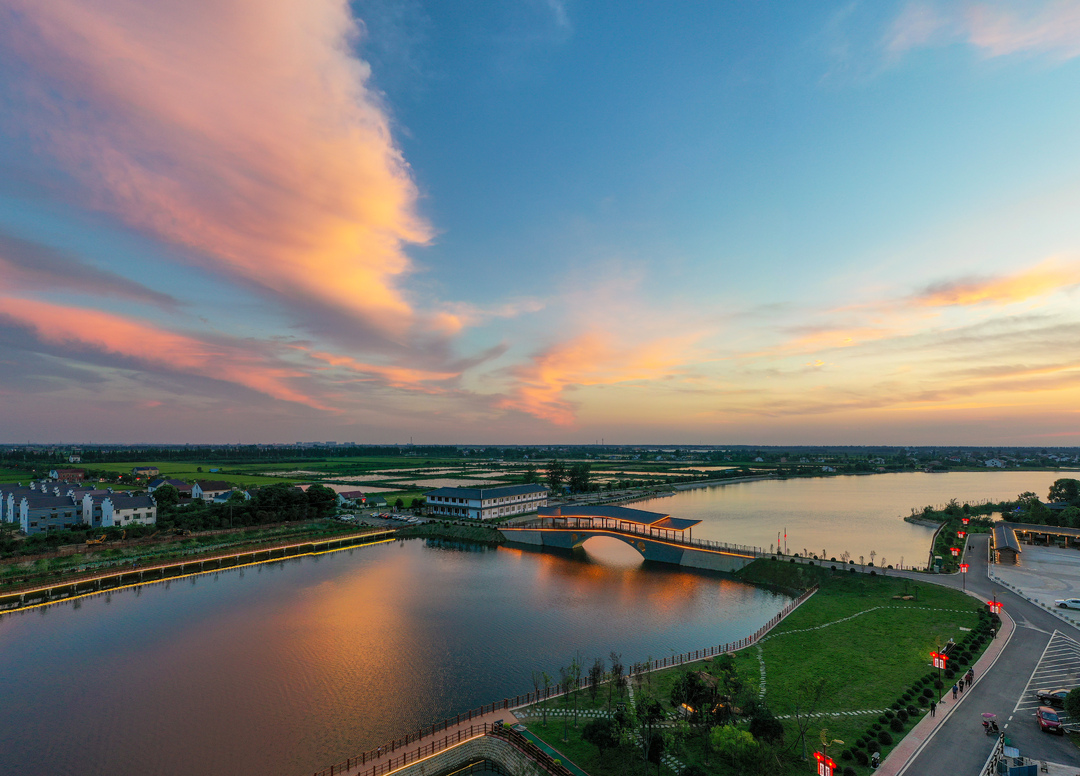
(954, 691)
(993, 633)
(933, 708)
(960, 684)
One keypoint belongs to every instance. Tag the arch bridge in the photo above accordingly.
(656, 536)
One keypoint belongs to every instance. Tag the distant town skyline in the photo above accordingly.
(540, 222)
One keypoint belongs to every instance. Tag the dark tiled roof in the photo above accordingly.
(213, 485)
(133, 502)
(618, 513)
(47, 502)
(499, 491)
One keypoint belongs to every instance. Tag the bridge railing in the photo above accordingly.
(705, 544)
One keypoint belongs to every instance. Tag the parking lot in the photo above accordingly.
(1044, 574)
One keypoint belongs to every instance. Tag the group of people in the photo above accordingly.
(965, 681)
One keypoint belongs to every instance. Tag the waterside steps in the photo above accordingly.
(114, 579)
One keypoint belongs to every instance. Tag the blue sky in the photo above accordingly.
(539, 221)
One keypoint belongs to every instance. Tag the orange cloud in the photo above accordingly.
(1040, 280)
(589, 359)
(243, 129)
(106, 333)
(394, 376)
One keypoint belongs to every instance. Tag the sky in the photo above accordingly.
(540, 221)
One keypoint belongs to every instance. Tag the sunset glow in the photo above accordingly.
(303, 219)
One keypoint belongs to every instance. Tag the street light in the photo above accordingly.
(825, 764)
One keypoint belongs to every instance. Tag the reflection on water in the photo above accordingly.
(857, 514)
(286, 667)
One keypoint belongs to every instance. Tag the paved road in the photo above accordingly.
(960, 747)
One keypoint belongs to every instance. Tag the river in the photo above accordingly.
(284, 668)
(856, 514)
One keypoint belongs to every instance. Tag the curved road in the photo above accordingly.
(959, 746)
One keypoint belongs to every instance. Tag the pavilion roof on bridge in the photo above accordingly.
(625, 514)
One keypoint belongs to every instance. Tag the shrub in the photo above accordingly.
(949, 673)
(883, 719)
(939, 684)
(884, 737)
(861, 757)
(876, 727)
(889, 714)
(846, 754)
(902, 715)
(833, 567)
(849, 771)
(927, 693)
(896, 725)
(851, 570)
(912, 711)
(872, 572)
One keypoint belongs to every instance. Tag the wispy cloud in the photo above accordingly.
(81, 331)
(243, 130)
(1045, 278)
(996, 28)
(30, 265)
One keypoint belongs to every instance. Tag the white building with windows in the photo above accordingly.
(486, 503)
(122, 511)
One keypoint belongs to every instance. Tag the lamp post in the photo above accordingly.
(963, 574)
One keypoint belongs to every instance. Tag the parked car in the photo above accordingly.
(1048, 721)
(1068, 603)
(1052, 697)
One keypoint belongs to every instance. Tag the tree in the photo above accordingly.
(1072, 703)
(530, 474)
(602, 733)
(657, 746)
(616, 676)
(649, 713)
(556, 474)
(807, 698)
(166, 496)
(579, 477)
(596, 675)
(322, 501)
(399, 503)
(736, 745)
(1065, 489)
(765, 727)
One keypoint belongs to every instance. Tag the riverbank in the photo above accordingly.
(822, 667)
(454, 531)
(76, 562)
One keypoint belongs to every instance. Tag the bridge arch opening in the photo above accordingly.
(613, 551)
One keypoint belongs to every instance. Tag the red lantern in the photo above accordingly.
(961, 534)
(995, 607)
(963, 568)
(955, 551)
(939, 659)
(965, 520)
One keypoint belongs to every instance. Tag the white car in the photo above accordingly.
(1068, 603)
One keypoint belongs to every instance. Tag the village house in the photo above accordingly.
(122, 511)
(208, 489)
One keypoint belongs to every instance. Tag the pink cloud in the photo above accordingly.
(243, 129)
(154, 348)
(996, 28)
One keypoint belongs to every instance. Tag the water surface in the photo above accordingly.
(286, 667)
(857, 514)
